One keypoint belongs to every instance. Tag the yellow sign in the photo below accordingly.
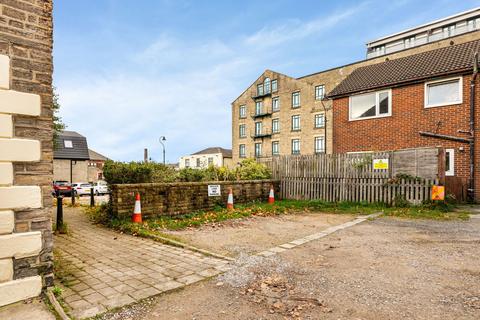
(438, 193)
(380, 164)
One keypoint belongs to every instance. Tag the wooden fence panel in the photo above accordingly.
(352, 177)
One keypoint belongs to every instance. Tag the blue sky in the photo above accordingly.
(129, 71)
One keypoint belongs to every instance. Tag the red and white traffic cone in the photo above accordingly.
(137, 211)
(230, 199)
(271, 196)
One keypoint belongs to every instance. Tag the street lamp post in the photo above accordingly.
(162, 140)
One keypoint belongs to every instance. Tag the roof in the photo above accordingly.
(455, 59)
(96, 156)
(226, 153)
(78, 151)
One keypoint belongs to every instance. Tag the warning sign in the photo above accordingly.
(380, 164)
(438, 193)
(214, 190)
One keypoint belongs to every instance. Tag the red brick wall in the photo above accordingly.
(400, 131)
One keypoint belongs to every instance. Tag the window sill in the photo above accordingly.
(296, 130)
(449, 104)
(370, 118)
(319, 127)
(297, 107)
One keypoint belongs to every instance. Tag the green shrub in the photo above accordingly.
(249, 169)
(137, 172)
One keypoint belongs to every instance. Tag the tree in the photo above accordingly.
(58, 125)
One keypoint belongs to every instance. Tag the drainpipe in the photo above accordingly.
(471, 188)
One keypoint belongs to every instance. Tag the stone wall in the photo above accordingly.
(186, 197)
(25, 148)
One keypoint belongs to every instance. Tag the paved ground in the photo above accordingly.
(256, 234)
(381, 269)
(26, 310)
(108, 269)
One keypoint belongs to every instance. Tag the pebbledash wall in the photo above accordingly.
(25, 148)
(185, 197)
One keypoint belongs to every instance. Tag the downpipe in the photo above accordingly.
(471, 189)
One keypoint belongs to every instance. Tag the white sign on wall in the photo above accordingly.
(214, 190)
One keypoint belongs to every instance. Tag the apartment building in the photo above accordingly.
(282, 115)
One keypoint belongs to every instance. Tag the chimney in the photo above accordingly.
(145, 155)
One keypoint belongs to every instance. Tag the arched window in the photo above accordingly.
(266, 85)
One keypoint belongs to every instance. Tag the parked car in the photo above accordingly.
(62, 187)
(100, 187)
(81, 188)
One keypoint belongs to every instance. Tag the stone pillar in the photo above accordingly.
(26, 149)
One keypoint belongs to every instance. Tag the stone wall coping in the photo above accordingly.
(182, 184)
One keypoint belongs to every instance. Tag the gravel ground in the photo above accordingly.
(382, 269)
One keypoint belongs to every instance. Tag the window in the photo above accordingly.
(319, 92)
(449, 31)
(274, 85)
(409, 42)
(258, 107)
(371, 105)
(275, 148)
(319, 120)
(443, 92)
(241, 151)
(187, 163)
(380, 50)
(68, 144)
(258, 128)
(295, 99)
(266, 85)
(242, 131)
(198, 163)
(275, 125)
(473, 24)
(449, 162)
(319, 145)
(210, 161)
(243, 112)
(275, 104)
(295, 146)
(260, 90)
(258, 150)
(296, 123)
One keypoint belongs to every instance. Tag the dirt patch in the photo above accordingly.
(253, 235)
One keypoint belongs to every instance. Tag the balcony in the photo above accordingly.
(261, 135)
(261, 95)
(262, 115)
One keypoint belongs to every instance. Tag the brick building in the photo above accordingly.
(282, 115)
(418, 101)
(26, 148)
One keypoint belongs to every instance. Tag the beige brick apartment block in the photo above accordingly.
(26, 148)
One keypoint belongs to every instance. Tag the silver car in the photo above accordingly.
(81, 188)
(100, 187)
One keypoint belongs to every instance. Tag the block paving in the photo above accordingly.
(107, 269)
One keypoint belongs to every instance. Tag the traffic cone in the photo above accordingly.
(271, 196)
(137, 211)
(230, 199)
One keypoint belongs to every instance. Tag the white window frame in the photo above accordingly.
(277, 99)
(242, 113)
(242, 133)
(294, 106)
(276, 143)
(320, 87)
(187, 163)
(68, 144)
(277, 121)
(451, 154)
(276, 85)
(292, 144)
(425, 93)
(315, 144)
(321, 115)
(258, 128)
(258, 108)
(241, 151)
(377, 105)
(258, 150)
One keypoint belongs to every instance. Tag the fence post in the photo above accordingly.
(59, 212)
(72, 193)
(92, 198)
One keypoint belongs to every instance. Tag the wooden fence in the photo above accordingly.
(350, 177)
